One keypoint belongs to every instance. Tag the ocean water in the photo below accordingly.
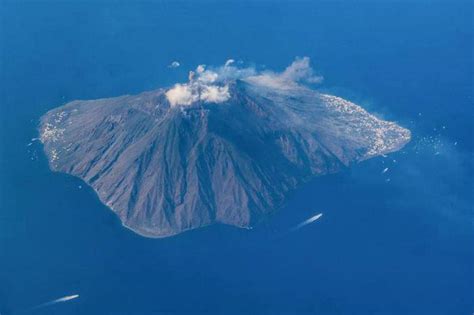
(401, 242)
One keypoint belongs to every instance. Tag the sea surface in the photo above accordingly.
(393, 242)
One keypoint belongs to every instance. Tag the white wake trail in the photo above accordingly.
(308, 221)
(56, 301)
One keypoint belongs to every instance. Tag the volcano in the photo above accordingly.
(210, 151)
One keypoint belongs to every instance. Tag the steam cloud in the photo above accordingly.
(211, 85)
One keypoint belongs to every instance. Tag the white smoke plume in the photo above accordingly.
(182, 94)
(174, 64)
(299, 71)
(211, 85)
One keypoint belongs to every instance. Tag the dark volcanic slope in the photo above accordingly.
(166, 169)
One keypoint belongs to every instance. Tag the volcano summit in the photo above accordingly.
(225, 147)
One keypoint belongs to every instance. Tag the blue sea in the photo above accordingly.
(399, 242)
